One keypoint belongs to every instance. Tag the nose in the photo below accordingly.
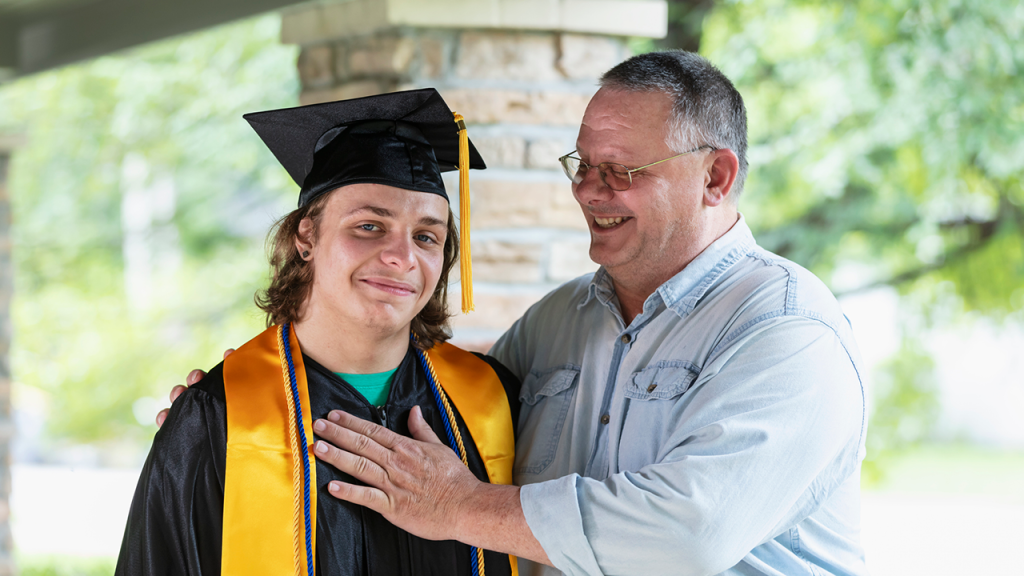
(591, 189)
(399, 252)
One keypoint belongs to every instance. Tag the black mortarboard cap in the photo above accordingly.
(402, 139)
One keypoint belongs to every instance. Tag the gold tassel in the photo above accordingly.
(466, 260)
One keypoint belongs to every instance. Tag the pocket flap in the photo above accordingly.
(661, 381)
(548, 383)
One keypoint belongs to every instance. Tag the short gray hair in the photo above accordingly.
(706, 108)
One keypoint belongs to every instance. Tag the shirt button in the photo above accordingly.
(651, 388)
(605, 419)
(625, 338)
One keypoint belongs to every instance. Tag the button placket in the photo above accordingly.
(597, 465)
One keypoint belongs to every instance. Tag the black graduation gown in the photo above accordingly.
(174, 526)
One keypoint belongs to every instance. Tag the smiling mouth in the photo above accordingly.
(397, 288)
(610, 222)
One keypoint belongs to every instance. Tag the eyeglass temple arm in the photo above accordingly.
(630, 172)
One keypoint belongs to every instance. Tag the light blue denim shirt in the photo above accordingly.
(720, 432)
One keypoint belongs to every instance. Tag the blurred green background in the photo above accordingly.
(886, 150)
(140, 202)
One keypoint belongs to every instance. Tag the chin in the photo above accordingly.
(607, 257)
(386, 320)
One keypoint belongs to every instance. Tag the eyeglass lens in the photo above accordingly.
(615, 176)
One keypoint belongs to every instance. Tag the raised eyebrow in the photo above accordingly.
(382, 212)
(385, 213)
(616, 159)
(431, 221)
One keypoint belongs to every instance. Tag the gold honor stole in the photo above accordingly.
(270, 474)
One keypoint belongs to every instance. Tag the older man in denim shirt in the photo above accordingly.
(694, 407)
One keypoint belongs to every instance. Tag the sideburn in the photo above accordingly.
(431, 326)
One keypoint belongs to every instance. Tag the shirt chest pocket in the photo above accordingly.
(655, 396)
(546, 400)
(662, 381)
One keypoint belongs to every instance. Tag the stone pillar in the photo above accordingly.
(6, 423)
(521, 72)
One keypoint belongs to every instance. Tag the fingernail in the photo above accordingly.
(333, 487)
(319, 425)
(334, 416)
(192, 376)
(321, 447)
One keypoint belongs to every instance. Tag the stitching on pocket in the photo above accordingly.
(553, 382)
(662, 381)
(558, 388)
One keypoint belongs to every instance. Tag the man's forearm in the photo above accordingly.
(492, 518)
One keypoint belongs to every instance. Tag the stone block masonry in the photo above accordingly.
(521, 72)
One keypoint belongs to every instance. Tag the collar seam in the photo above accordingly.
(685, 303)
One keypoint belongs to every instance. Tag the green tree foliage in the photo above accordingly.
(165, 117)
(64, 566)
(887, 149)
(886, 133)
(906, 407)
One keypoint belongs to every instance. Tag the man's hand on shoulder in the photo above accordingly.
(193, 377)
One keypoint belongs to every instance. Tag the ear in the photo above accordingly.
(304, 239)
(722, 166)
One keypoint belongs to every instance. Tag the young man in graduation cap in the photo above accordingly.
(357, 315)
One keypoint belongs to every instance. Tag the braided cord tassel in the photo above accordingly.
(296, 458)
(451, 427)
(286, 347)
(466, 262)
(446, 408)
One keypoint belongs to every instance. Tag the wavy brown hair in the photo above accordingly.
(292, 277)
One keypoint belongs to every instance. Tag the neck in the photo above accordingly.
(634, 287)
(632, 297)
(341, 347)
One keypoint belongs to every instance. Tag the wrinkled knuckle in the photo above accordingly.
(391, 461)
(386, 475)
(362, 443)
(399, 448)
(372, 431)
(404, 446)
(363, 466)
(334, 433)
(376, 499)
(416, 453)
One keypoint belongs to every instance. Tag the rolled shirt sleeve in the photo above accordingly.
(770, 428)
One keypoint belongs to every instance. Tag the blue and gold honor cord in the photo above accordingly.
(451, 427)
(299, 446)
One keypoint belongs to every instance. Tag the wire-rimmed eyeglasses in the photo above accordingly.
(615, 176)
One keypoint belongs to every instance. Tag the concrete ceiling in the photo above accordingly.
(36, 35)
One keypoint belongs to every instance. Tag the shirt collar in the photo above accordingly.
(682, 292)
(601, 287)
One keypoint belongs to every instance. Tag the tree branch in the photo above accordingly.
(986, 231)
